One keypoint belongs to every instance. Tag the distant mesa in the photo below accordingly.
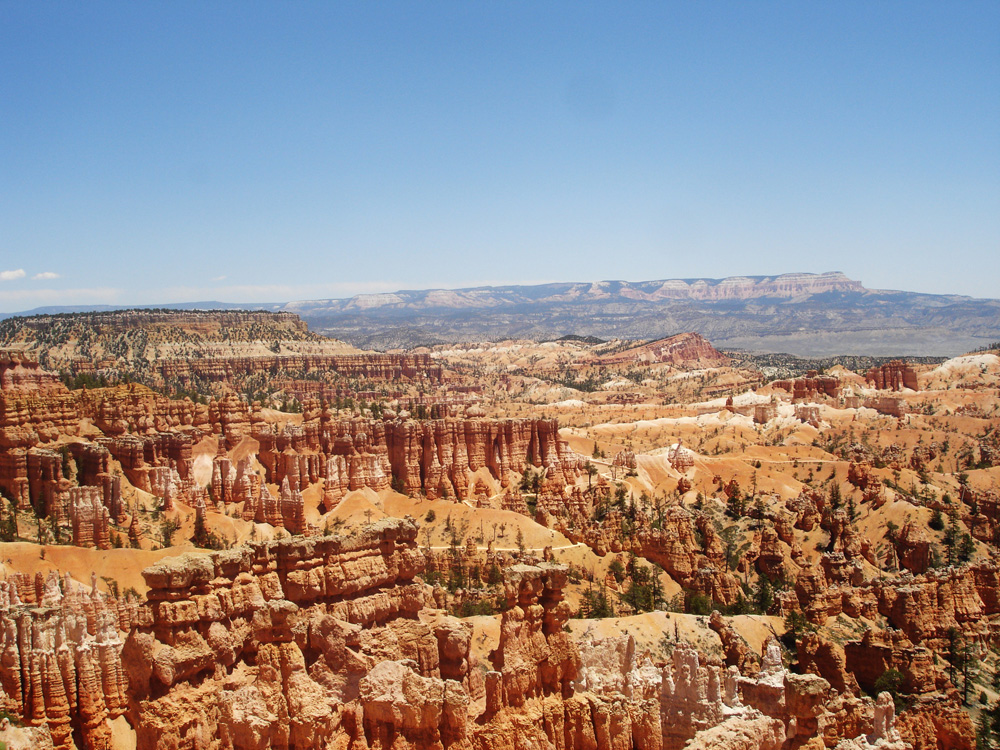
(809, 315)
(731, 288)
(805, 314)
(184, 349)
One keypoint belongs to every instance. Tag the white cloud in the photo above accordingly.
(220, 278)
(11, 275)
(45, 276)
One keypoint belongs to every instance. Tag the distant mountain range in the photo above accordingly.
(804, 314)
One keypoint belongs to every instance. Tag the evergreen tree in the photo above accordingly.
(891, 682)
(764, 594)
(951, 539)
(8, 525)
(966, 548)
(953, 655)
(970, 669)
(167, 530)
(617, 570)
(835, 497)
(595, 604)
(656, 588)
(937, 520)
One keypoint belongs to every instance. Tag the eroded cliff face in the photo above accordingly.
(19, 371)
(669, 540)
(683, 349)
(333, 642)
(923, 608)
(265, 645)
(937, 722)
(437, 458)
(393, 367)
(29, 417)
(206, 351)
(314, 643)
(812, 385)
(129, 433)
(893, 376)
(60, 663)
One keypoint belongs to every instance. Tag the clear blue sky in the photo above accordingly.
(176, 151)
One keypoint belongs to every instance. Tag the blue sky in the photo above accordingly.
(175, 151)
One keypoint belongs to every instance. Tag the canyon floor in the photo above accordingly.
(222, 531)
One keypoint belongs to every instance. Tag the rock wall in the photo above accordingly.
(764, 413)
(894, 407)
(686, 349)
(19, 371)
(923, 607)
(29, 417)
(89, 518)
(395, 367)
(879, 650)
(807, 414)
(291, 644)
(810, 386)
(938, 722)
(667, 539)
(332, 642)
(74, 484)
(436, 457)
(159, 463)
(893, 376)
(137, 409)
(61, 666)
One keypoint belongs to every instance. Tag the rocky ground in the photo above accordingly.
(518, 544)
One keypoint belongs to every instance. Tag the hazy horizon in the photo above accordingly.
(206, 304)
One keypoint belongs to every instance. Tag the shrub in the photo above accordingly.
(617, 570)
(891, 682)
(937, 520)
(698, 604)
(595, 604)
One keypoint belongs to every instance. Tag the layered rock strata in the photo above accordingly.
(18, 370)
(261, 646)
(893, 376)
(810, 386)
(689, 349)
(151, 439)
(924, 608)
(330, 642)
(435, 457)
(393, 367)
(61, 665)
